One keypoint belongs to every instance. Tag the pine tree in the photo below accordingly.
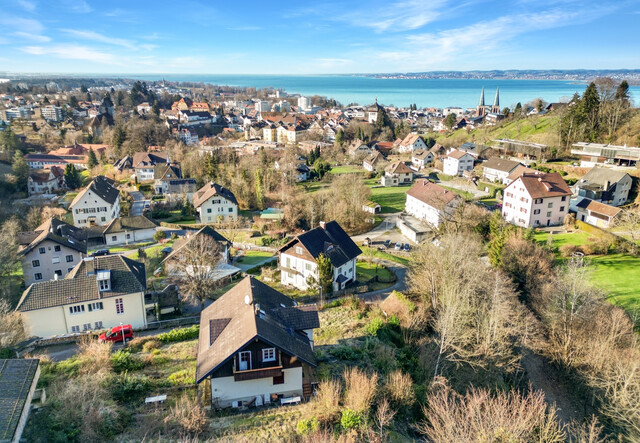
(259, 190)
(20, 171)
(589, 109)
(450, 121)
(340, 137)
(71, 177)
(119, 136)
(325, 276)
(92, 160)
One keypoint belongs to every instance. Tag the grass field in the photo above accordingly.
(577, 238)
(366, 271)
(468, 196)
(618, 275)
(371, 252)
(391, 199)
(253, 257)
(337, 170)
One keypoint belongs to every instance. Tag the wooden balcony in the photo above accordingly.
(253, 374)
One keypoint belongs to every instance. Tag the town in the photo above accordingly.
(186, 260)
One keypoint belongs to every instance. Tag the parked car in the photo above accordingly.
(398, 246)
(387, 243)
(100, 253)
(407, 247)
(117, 334)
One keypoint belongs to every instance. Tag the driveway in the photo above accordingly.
(400, 285)
(137, 207)
(387, 224)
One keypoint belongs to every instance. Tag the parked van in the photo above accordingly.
(117, 334)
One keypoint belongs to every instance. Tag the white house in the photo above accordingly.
(412, 142)
(188, 136)
(498, 169)
(256, 347)
(538, 199)
(605, 185)
(372, 161)
(358, 147)
(45, 181)
(99, 293)
(298, 257)
(215, 203)
(129, 230)
(457, 162)
(144, 163)
(596, 213)
(97, 204)
(51, 250)
(422, 158)
(431, 203)
(397, 173)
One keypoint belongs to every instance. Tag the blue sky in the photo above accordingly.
(287, 37)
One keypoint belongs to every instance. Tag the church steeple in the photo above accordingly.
(496, 102)
(481, 110)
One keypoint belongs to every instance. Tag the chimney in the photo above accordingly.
(322, 224)
(606, 185)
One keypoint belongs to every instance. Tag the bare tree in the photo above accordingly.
(630, 219)
(11, 327)
(384, 415)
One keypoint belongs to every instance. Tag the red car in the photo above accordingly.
(117, 334)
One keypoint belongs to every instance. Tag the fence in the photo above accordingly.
(181, 321)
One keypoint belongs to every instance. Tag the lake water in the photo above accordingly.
(438, 93)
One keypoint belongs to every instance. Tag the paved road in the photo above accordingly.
(400, 285)
(387, 224)
(137, 207)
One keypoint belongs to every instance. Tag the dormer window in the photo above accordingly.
(104, 280)
(298, 250)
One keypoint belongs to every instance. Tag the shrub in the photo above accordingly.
(180, 334)
(568, 250)
(327, 398)
(361, 389)
(399, 389)
(150, 345)
(93, 355)
(188, 416)
(351, 419)
(123, 361)
(159, 235)
(183, 377)
(346, 353)
(126, 387)
(374, 326)
(307, 426)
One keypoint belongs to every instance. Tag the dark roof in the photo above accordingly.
(146, 159)
(207, 231)
(102, 187)
(165, 171)
(209, 190)
(331, 241)
(229, 324)
(56, 231)
(132, 223)
(16, 378)
(80, 285)
(125, 162)
(601, 176)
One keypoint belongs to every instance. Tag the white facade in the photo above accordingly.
(304, 102)
(216, 207)
(520, 209)
(92, 210)
(427, 213)
(48, 260)
(53, 113)
(455, 167)
(145, 173)
(414, 145)
(297, 271)
(129, 237)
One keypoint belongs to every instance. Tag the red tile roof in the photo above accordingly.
(431, 194)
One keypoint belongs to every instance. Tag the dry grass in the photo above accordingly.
(399, 389)
(94, 355)
(328, 399)
(188, 417)
(361, 389)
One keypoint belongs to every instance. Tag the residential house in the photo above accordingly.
(144, 108)
(77, 155)
(412, 142)
(169, 183)
(51, 250)
(45, 181)
(18, 381)
(431, 203)
(97, 204)
(129, 230)
(605, 185)
(188, 136)
(497, 169)
(256, 347)
(99, 293)
(396, 174)
(372, 112)
(298, 258)
(358, 147)
(215, 203)
(596, 213)
(457, 162)
(538, 199)
(372, 161)
(144, 163)
(422, 158)
(517, 172)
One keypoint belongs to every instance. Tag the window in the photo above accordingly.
(308, 266)
(69, 258)
(35, 263)
(55, 260)
(269, 354)
(298, 250)
(278, 380)
(114, 238)
(230, 209)
(536, 211)
(97, 306)
(128, 236)
(119, 306)
(75, 328)
(103, 219)
(86, 327)
(549, 214)
(78, 309)
(550, 205)
(37, 276)
(538, 201)
(208, 210)
(56, 248)
(42, 250)
(561, 208)
(564, 198)
(58, 272)
(98, 325)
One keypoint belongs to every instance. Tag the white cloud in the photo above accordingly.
(91, 35)
(396, 16)
(79, 6)
(22, 24)
(35, 37)
(27, 5)
(75, 52)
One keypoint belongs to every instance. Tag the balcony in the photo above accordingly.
(253, 374)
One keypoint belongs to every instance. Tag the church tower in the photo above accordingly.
(481, 110)
(496, 102)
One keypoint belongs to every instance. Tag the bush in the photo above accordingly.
(126, 387)
(351, 419)
(123, 361)
(361, 389)
(327, 398)
(346, 353)
(150, 345)
(183, 377)
(180, 334)
(307, 426)
(568, 250)
(399, 389)
(188, 416)
(374, 326)
(159, 235)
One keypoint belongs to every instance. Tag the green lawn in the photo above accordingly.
(577, 238)
(254, 257)
(618, 275)
(372, 252)
(468, 196)
(346, 170)
(392, 199)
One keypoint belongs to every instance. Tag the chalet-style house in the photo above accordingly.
(18, 381)
(497, 169)
(534, 200)
(456, 162)
(256, 347)
(45, 181)
(215, 203)
(396, 174)
(596, 213)
(297, 259)
(97, 204)
(99, 293)
(372, 162)
(412, 142)
(431, 203)
(51, 251)
(168, 182)
(605, 186)
(144, 164)
(128, 230)
(358, 147)
(422, 158)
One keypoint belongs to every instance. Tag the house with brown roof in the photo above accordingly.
(45, 181)
(98, 293)
(358, 147)
(256, 347)
(497, 169)
(144, 163)
(412, 142)
(396, 174)
(456, 162)
(596, 213)
(422, 158)
(431, 203)
(517, 172)
(536, 199)
(129, 230)
(372, 161)
(215, 203)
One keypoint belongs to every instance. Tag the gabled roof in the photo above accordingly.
(166, 171)
(541, 185)
(398, 168)
(132, 223)
(409, 140)
(56, 231)
(500, 164)
(209, 190)
(81, 285)
(601, 176)
(145, 159)
(102, 187)
(206, 231)
(431, 194)
(598, 208)
(421, 155)
(331, 241)
(374, 158)
(457, 154)
(229, 324)
(518, 171)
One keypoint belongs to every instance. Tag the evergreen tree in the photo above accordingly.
(92, 160)
(155, 109)
(73, 101)
(450, 121)
(622, 93)
(120, 98)
(71, 177)
(20, 171)
(517, 111)
(339, 137)
(9, 141)
(383, 120)
(45, 100)
(325, 276)
(259, 189)
(588, 111)
(118, 138)
(83, 89)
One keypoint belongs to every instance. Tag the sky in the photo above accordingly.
(320, 37)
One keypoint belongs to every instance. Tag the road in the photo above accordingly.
(387, 224)
(137, 207)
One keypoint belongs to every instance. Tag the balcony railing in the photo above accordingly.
(253, 374)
